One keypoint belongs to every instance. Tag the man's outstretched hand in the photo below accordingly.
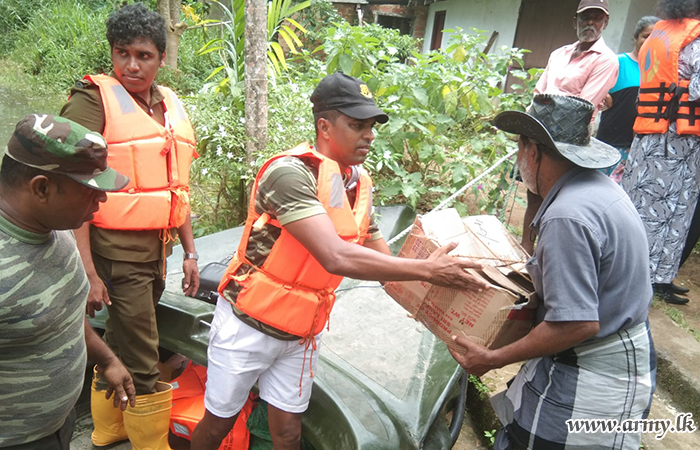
(450, 271)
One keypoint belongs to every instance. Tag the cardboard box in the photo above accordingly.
(494, 317)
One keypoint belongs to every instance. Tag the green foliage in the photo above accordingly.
(14, 16)
(481, 388)
(217, 178)
(220, 176)
(63, 41)
(61, 50)
(440, 105)
(316, 19)
(491, 436)
(192, 69)
(229, 44)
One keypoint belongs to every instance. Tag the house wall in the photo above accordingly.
(637, 9)
(488, 15)
(347, 11)
(502, 16)
(417, 14)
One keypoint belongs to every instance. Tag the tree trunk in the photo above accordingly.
(255, 77)
(170, 10)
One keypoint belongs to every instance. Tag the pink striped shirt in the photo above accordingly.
(590, 76)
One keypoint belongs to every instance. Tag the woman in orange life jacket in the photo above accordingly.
(662, 169)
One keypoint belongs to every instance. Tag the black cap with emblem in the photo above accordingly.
(348, 95)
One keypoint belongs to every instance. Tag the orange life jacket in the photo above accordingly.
(156, 159)
(188, 409)
(663, 97)
(291, 291)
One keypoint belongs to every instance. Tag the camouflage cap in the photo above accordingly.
(58, 145)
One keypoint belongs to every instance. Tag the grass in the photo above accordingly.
(481, 388)
(676, 316)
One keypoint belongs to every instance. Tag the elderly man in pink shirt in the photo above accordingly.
(587, 69)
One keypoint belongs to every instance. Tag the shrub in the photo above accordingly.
(61, 50)
(14, 16)
(440, 105)
(220, 176)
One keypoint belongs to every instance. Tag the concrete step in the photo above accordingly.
(678, 387)
(678, 358)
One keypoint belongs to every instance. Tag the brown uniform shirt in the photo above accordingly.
(85, 107)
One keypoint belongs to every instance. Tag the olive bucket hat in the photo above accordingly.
(561, 123)
(58, 145)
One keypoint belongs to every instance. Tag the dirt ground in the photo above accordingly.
(689, 276)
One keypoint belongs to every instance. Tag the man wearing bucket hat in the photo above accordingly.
(309, 223)
(590, 271)
(588, 68)
(53, 177)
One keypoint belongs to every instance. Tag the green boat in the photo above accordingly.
(383, 380)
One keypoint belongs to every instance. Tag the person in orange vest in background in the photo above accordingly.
(309, 224)
(661, 175)
(124, 247)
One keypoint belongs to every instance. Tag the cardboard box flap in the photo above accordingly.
(490, 317)
(497, 277)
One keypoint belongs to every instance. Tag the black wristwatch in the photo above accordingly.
(194, 256)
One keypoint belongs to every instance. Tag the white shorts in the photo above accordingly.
(239, 355)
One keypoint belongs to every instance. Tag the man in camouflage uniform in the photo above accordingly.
(53, 177)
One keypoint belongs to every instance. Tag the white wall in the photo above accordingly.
(637, 9)
(502, 16)
(488, 15)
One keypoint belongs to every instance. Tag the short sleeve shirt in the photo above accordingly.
(591, 262)
(287, 192)
(590, 76)
(43, 292)
(616, 123)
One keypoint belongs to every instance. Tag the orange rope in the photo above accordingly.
(165, 238)
(324, 297)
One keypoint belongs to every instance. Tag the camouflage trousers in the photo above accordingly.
(60, 440)
(131, 330)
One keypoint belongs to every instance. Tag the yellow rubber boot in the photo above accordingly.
(148, 422)
(108, 420)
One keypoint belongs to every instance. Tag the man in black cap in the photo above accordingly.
(53, 177)
(588, 68)
(590, 270)
(310, 223)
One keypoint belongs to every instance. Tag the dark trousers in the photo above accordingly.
(693, 234)
(131, 330)
(60, 440)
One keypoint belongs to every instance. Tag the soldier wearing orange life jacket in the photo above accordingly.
(125, 246)
(309, 224)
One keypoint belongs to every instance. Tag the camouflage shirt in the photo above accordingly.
(43, 291)
(288, 192)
